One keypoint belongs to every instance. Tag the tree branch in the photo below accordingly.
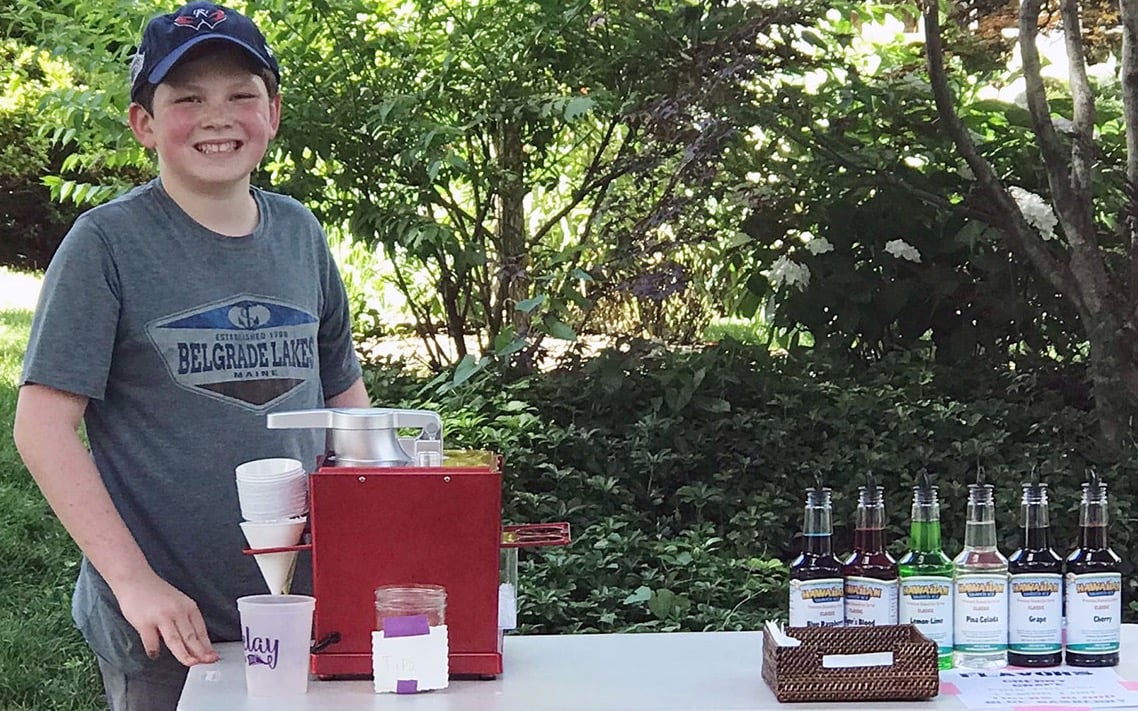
(1071, 189)
(1083, 148)
(1024, 239)
(1054, 157)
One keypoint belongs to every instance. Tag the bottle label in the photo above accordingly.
(1035, 613)
(870, 601)
(981, 613)
(1094, 613)
(926, 601)
(817, 603)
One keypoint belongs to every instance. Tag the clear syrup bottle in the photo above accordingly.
(926, 573)
(1094, 586)
(870, 573)
(816, 586)
(980, 586)
(1035, 592)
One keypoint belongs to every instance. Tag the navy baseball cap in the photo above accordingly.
(167, 38)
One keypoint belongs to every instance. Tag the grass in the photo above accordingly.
(44, 663)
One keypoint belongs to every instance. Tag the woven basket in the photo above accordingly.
(798, 674)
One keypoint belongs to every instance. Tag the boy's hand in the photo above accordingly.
(162, 613)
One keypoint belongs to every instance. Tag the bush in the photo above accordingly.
(31, 224)
(682, 472)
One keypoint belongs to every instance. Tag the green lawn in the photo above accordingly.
(44, 664)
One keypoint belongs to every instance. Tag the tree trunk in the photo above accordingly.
(513, 272)
(1114, 377)
(1105, 308)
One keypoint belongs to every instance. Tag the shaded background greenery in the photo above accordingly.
(512, 174)
(681, 472)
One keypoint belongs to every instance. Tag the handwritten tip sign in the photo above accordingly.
(409, 663)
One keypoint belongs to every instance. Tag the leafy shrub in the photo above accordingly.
(31, 225)
(682, 472)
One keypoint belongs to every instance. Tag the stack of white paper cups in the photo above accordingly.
(272, 489)
(273, 494)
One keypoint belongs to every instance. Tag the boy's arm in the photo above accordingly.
(47, 436)
(355, 396)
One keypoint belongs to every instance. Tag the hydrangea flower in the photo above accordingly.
(1037, 212)
(901, 249)
(819, 245)
(786, 271)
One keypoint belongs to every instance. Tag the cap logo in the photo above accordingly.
(201, 18)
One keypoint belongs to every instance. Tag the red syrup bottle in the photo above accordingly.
(871, 581)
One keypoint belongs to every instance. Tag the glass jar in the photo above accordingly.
(410, 599)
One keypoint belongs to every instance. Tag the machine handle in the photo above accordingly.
(533, 535)
(300, 419)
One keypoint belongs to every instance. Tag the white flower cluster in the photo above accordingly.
(819, 245)
(1037, 212)
(789, 272)
(901, 249)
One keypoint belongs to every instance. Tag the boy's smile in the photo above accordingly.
(227, 147)
(211, 123)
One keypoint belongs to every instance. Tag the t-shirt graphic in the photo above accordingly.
(248, 350)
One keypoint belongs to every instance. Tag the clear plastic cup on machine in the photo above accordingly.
(508, 589)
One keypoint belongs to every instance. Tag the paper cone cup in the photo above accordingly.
(273, 534)
(276, 568)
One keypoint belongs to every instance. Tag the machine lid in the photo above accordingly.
(358, 418)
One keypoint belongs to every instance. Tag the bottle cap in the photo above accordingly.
(924, 493)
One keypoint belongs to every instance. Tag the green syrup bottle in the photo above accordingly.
(926, 573)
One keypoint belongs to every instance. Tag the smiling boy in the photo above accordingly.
(155, 330)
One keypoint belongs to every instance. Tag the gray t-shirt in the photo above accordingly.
(183, 340)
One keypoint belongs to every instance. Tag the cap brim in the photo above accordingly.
(160, 70)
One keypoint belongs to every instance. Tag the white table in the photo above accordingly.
(680, 671)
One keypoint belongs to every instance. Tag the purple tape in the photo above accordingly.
(407, 686)
(406, 626)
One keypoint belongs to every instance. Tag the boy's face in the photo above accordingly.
(212, 121)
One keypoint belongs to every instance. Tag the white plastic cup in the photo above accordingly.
(277, 635)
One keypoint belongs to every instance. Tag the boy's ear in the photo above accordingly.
(275, 114)
(140, 124)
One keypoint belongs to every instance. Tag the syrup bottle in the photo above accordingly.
(816, 587)
(870, 573)
(1094, 586)
(980, 582)
(926, 574)
(1035, 592)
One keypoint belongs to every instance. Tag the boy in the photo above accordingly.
(171, 320)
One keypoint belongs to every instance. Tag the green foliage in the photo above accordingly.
(858, 168)
(530, 170)
(84, 113)
(30, 224)
(44, 661)
(494, 104)
(639, 582)
(682, 472)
